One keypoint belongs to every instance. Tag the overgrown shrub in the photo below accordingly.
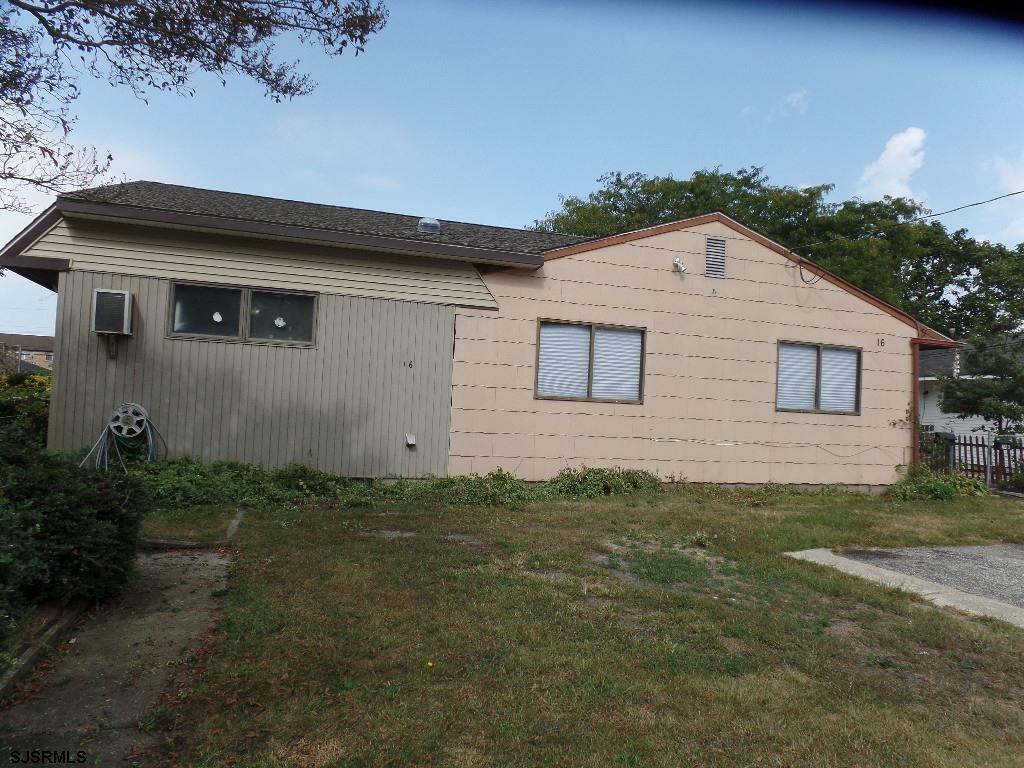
(65, 532)
(189, 482)
(25, 407)
(186, 482)
(496, 487)
(921, 483)
(593, 482)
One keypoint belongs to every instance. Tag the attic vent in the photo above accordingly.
(714, 257)
(428, 226)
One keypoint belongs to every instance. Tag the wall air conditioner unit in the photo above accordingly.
(112, 312)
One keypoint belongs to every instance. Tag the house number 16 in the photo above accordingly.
(881, 342)
(407, 363)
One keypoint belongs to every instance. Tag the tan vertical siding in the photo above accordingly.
(344, 405)
(177, 254)
(709, 390)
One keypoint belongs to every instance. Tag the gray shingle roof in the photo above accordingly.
(332, 218)
(27, 342)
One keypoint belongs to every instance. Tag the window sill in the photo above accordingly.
(588, 399)
(816, 410)
(237, 340)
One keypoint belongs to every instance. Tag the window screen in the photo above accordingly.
(563, 360)
(617, 364)
(814, 377)
(585, 362)
(839, 379)
(798, 371)
(207, 311)
(281, 316)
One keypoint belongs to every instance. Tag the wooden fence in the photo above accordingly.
(971, 455)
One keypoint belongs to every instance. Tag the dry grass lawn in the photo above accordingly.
(657, 630)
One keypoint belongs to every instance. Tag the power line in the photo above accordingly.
(852, 239)
(918, 218)
(962, 207)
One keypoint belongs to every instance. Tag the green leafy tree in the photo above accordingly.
(949, 280)
(144, 45)
(991, 386)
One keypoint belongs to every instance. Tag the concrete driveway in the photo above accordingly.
(981, 580)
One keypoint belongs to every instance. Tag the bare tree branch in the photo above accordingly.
(143, 45)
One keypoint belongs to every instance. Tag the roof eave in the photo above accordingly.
(198, 222)
(42, 271)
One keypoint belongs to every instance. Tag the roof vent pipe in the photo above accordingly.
(428, 226)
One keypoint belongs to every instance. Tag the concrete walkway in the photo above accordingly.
(115, 666)
(983, 581)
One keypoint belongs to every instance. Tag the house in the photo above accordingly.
(375, 344)
(27, 351)
(935, 364)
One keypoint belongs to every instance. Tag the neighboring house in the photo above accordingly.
(935, 364)
(375, 344)
(36, 351)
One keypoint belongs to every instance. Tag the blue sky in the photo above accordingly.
(485, 112)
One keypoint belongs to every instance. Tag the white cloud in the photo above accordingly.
(792, 103)
(1010, 172)
(890, 174)
(797, 100)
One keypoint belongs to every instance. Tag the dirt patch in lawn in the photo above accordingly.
(389, 534)
(466, 538)
(97, 693)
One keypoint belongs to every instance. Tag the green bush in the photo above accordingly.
(187, 482)
(1017, 483)
(25, 407)
(65, 532)
(593, 482)
(494, 488)
(921, 483)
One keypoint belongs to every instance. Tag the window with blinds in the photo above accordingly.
(583, 361)
(714, 257)
(814, 377)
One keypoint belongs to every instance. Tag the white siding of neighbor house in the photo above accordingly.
(932, 415)
(378, 369)
(709, 405)
(94, 246)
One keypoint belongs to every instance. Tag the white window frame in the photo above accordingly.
(817, 377)
(590, 363)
